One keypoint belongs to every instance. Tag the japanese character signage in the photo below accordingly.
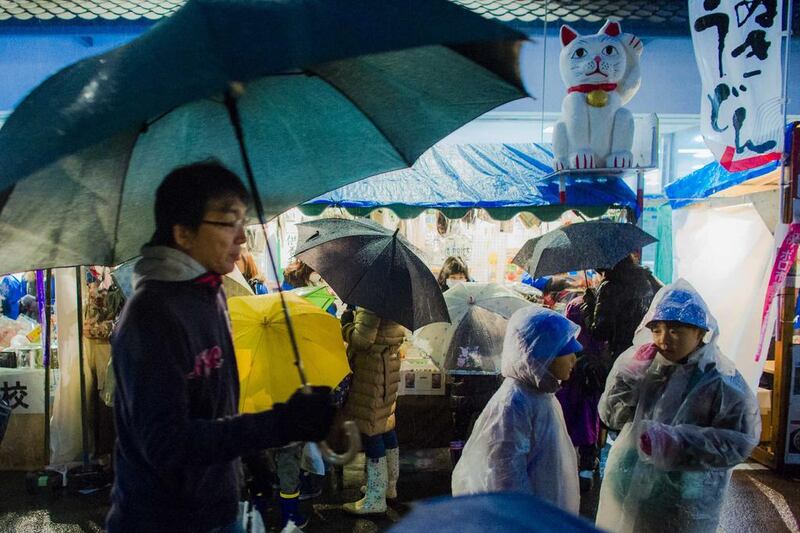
(23, 389)
(737, 44)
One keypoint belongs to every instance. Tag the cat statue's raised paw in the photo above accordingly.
(601, 72)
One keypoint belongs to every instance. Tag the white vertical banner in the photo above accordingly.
(737, 44)
(65, 424)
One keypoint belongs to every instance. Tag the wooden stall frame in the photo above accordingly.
(772, 453)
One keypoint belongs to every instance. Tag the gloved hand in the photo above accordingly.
(657, 443)
(308, 417)
(589, 302)
(646, 352)
(348, 316)
(646, 443)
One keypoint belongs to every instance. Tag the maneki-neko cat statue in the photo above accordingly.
(601, 72)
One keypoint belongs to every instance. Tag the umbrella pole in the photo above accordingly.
(236, 121)
(350, 428)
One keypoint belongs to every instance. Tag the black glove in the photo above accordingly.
(307, 417)
(348, 316)
(587, 307)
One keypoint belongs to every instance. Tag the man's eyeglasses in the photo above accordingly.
(236, 225)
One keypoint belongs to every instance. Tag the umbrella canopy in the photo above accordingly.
(491, 513)
(373, 267)
(320, 296)
(581, 246)
(473, 342)
(267, 370)
(334, 91)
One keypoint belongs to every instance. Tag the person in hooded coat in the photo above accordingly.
(373, 345)
(621, 301)
(686, 417)
(520, 441)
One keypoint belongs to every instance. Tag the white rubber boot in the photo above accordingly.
(374, 500)
(392, 471)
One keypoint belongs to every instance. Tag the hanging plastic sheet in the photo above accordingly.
(713, 178)
(663, 266)
(726, 254)
(65, 424)
(504, 179)
(709, 180)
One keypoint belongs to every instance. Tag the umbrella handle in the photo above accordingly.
(353, 447)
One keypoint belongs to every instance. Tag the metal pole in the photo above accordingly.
(544, 68)
(639, 196)
(786, 202)
(48, 296)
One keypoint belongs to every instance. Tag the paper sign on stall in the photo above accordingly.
(23, 389)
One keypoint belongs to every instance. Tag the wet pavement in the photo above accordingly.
(758, 500)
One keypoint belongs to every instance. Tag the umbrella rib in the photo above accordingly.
(129, 157)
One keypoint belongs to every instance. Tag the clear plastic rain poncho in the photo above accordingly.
(520, 441)
(699, 420)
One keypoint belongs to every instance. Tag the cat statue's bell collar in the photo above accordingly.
(596, 93)
(589, 87)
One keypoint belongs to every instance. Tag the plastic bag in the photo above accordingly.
(107, 393)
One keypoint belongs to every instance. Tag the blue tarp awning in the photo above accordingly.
(503, 179)
(709, 180)
(713, 178)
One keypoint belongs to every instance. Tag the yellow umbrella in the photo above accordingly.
(267, 372)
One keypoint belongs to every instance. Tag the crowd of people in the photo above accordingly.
(627, 357)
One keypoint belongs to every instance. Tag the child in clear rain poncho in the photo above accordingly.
(687, 417)
(520, 441)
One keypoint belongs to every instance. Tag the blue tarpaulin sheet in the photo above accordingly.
(501, 178)
(709, 180)
(713, 178)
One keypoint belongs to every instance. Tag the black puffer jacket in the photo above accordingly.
(622, 301)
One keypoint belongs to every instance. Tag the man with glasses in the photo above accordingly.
(179, 434)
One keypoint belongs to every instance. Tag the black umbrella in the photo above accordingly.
(373, 267)
(581, 246)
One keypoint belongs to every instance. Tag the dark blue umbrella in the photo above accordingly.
(491, 513)
(299, 96)
(581, 246)
(373, 267)
(333, 91)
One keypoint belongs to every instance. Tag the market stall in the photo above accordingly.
(500, 180)
(724, 228)
(503, 179)
(22, 379)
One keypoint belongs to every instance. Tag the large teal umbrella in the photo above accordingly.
(334, 91)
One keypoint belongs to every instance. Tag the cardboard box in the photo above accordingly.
(420, 376)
